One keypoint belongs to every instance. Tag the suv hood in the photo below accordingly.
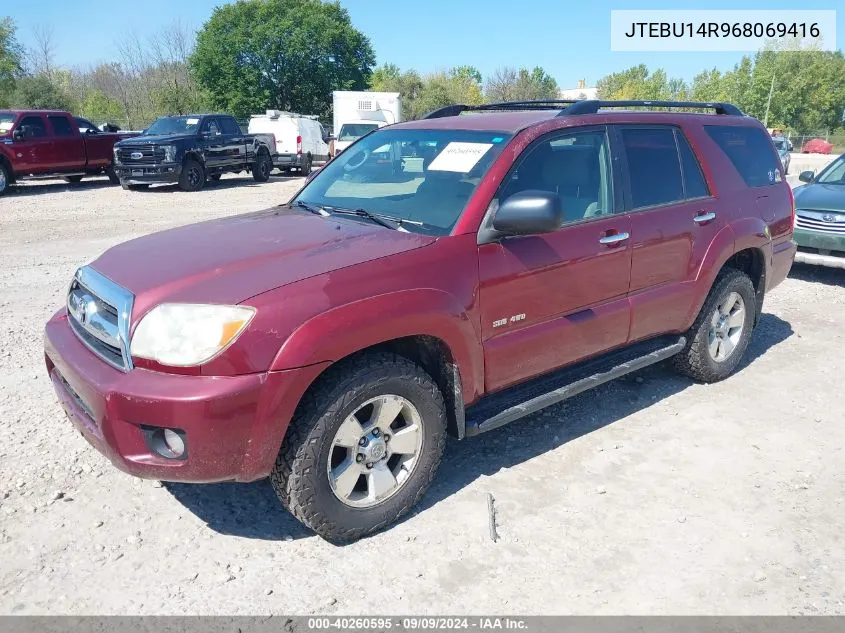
(821, 197)
(157, 140)
(232, 259)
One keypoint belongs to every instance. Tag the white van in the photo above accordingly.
(301, 140)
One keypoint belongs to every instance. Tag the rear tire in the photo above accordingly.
(317, 452)
(72, 179)
(192, 177)
(263, 167)
(305, 170)
(720, 335)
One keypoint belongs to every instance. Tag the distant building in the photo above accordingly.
(581, 92)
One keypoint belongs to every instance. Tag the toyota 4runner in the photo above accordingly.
(446, 275)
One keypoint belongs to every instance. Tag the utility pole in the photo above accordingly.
(769, 102)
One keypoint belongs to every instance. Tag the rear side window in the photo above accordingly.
(653, 166)
(696, 186)
(61, 126)
(751, 152)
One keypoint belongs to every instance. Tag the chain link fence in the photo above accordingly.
(834, 137)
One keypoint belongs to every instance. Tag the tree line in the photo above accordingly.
(803, 91)
(255, 55)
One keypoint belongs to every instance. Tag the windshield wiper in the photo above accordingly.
(313, 208)
(363, 213)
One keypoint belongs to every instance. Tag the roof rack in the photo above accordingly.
(591, 106)
(539, 104)
(583, 106)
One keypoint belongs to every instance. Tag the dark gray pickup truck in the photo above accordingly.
(190, 150)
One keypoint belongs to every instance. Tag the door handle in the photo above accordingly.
(704, 217)
(614, 239)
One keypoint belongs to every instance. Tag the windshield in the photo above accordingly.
(780, 144)
(833, 174)
(354, 131)
(7, 119)
(173, 125)
(423, 176)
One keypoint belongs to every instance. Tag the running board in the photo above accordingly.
(527, 398)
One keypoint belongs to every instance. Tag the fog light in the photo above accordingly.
(168, 443)
(174, 442)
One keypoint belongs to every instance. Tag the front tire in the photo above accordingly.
(113, 177)
(5, 179)
(362, 448)
(192, 177)
(71, 180)
(720, 335)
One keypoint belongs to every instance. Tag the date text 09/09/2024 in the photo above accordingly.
(722, 29)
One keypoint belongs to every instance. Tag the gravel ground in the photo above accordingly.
(650, 495)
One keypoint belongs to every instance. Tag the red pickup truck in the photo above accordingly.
(495, 265)
(49, 143)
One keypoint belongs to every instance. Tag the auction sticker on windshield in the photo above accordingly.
(459, 157)
(193, 121)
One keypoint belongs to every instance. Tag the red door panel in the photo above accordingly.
(669, 245)
(551, 300)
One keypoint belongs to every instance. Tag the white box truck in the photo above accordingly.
(357, 113)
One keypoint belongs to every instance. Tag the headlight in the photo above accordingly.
(183, 334)
(116, 155)
(169, 153)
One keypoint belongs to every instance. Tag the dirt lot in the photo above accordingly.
(649, 495)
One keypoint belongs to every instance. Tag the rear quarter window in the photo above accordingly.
(751, 152)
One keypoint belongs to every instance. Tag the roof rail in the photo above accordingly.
(538, 104)
(591, 106)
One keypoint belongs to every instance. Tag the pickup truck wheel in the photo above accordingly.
(305, 170)
(262, 167)
(5, 179)
(113, 177)
(193, 175)
(362, 448)
(72, 179)
(721, 332)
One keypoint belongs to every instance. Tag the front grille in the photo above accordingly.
(140, 155)
(98, 311)
(823, 221)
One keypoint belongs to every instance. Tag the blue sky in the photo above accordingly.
(569, 39)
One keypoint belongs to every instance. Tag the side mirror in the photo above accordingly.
(18, 135)
(91, 130)
(806, 176)
(529, 213)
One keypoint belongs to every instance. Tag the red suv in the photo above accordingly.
(446, 275)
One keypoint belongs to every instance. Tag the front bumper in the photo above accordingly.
(233, 425)
(820, 248)
(167, 173)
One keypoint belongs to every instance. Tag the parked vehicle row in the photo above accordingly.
(442, 276)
